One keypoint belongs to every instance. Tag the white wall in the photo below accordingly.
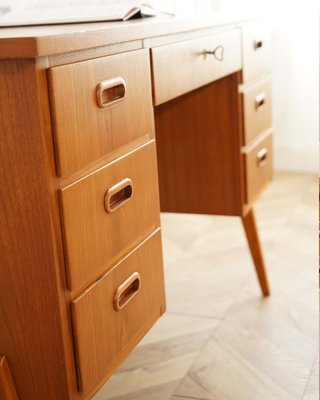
(295, 79)
(295, 68)
(296, 92)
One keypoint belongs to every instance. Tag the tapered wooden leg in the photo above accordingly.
(7, 389)
(249, 224)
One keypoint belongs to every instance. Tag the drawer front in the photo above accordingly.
(258, 165)
(108, 213)
(256, 49)
(181, 67)
(257, 109)
(116, 312)
(98, 106)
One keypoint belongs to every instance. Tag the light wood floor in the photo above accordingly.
(219, 339)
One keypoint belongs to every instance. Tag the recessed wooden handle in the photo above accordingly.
(260, 100)
(126, 291)
(118, 195)
(257, 44)
(110, 92)
(262, 156)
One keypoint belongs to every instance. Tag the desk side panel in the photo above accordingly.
(31, 327)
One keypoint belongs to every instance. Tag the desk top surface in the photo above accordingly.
(37, 41)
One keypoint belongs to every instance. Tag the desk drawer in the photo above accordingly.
(98, 106)
(256, 50)
(108, 213)
(181, 67)
(257, 109)
(258, 166)
(113, 315)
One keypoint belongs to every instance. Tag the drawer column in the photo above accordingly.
(257, 132)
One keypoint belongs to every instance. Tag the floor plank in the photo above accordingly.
(163, 358)
(312, 388)
(220, 340)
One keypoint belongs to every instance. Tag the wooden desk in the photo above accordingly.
(89, 115)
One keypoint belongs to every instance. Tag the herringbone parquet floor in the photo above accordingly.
(219, 340)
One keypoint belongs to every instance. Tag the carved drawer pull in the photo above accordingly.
(126, 291)
(257, 44)
(110, 92)
(260, 100)
(262, 156)
(118, 195)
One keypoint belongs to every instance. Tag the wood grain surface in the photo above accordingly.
(256, 119)
(31, 335)
(201, 171)
(96, 239)
(258, 174)
(7, 388)
(198, 149)
(181, 67)
(35, 41)
(251, 230)
(83, 131)
(104, 335)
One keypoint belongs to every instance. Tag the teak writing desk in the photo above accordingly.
(90, 114)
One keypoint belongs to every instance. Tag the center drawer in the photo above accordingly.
(112, 316)
(98, 106)
(108, 213)
(181, 67)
